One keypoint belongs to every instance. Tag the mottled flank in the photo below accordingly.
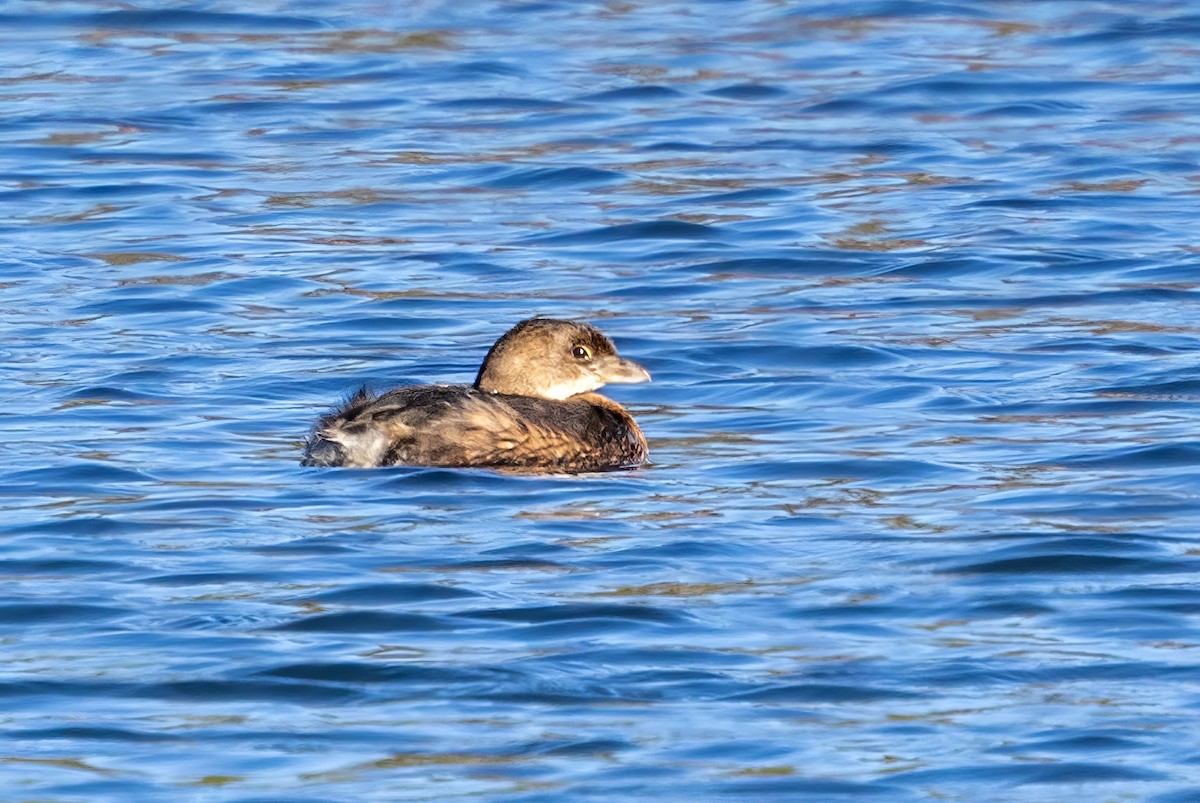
(460, 425)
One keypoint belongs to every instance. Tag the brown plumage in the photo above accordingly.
(531, 408)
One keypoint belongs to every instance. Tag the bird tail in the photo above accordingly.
(320, 451)
(338, 440)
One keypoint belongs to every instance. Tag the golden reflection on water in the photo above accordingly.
(804, 514)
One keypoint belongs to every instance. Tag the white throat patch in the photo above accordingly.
(565, 390)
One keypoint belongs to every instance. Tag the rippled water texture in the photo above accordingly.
(918, 286)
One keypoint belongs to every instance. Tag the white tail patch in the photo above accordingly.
(364, 448)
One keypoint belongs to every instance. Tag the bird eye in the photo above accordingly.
(581, 353)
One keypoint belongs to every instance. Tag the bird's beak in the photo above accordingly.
(618, 369)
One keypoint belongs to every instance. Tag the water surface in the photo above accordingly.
(917, 283)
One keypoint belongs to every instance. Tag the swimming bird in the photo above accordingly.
(533, 407)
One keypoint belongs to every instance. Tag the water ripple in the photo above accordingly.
(916, 283)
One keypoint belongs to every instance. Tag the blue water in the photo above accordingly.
(918, 284)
